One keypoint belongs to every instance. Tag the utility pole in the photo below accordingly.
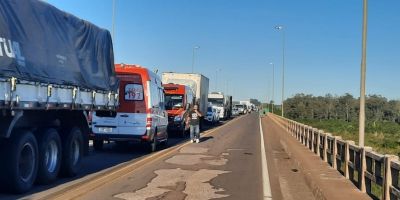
(280, 28)
(273, 87)
(194, 48)
(363, 74)
(113, 21)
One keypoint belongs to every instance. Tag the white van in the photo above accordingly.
(141, 115)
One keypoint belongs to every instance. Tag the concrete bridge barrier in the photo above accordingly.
(371, 172)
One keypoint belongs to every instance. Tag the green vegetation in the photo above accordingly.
(339, 115)
(384, 137)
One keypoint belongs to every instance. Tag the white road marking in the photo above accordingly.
(264, 167)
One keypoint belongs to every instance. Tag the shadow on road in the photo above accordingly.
(113, 154)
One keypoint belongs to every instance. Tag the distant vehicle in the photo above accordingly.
(242, 109)
(223, 103)
(212, 115)
(197, 82)
(141, 116)
(178, 100)
(247, 105)
(235, 111)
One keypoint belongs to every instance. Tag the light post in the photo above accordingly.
(216, 79)
(280, 28)
(273, 87)
(363, 73)
(194, 48)
(113, 20)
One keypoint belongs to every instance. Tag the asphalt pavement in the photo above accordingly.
(236, 160)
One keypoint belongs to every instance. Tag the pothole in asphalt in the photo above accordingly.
(192, 184)
(193, 150)
(295, 170)
(196, 159)
(247, 153)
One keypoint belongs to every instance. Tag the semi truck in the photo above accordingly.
(178, 100)
(197, 82)
(223, 103)
(54, 69)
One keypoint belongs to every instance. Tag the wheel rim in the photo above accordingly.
(51, 156)
(75, 151)
(26, 162)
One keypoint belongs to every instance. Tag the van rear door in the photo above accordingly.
(131, 113)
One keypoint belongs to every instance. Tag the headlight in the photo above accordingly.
(177, 118)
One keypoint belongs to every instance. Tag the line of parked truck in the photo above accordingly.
(59, 88)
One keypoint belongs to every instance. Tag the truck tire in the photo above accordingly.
(98, 145)
(72, 152)
(21, 163)
(49, 156)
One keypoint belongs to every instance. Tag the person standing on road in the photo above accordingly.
(193, 120)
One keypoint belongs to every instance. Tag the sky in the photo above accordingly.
(238, 42)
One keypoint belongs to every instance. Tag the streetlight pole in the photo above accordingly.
(361, 132)
(280, 28)
(194, 48)
(216, 79)
(273, 86)
(113, 20)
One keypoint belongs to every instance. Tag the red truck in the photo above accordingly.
(178, 100)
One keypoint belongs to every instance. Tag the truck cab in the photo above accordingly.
(218, 101)
(178, 99)
(141, 116)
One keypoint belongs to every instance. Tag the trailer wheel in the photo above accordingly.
(49, 156)
(72, 152)
(21, 163)
(98, 145)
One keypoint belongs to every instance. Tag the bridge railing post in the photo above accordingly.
(309, 141)
(301, 133)
(306, 136)
(325, 151)
(363, 168)
(319, 143)
(335, 151)
(388, 175)
(347, 158)
(313, 139)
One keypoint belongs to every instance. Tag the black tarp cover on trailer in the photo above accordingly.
(41, 43)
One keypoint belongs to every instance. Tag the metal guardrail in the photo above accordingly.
(373, 173)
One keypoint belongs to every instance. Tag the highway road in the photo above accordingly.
(229, 163)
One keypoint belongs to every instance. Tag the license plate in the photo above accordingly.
(105, 130)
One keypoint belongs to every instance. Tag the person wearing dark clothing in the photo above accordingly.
(193, 120)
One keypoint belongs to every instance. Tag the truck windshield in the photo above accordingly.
(173, 101)
(239, 106)
(216, 102)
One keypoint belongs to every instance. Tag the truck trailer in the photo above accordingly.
(197, 82)
(54, 69)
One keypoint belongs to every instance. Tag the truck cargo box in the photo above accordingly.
(49, 56)
(197, 82)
